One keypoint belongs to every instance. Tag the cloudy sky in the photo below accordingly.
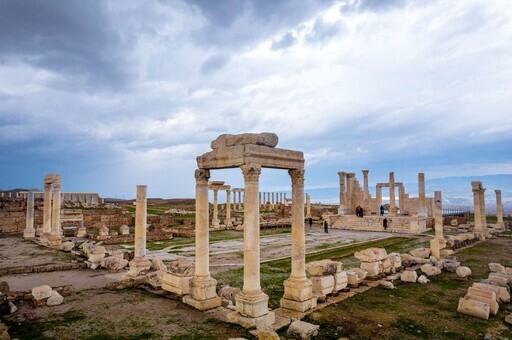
(116, 93)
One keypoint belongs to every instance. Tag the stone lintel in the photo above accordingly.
(218, 187)
(386, 185)
(238, 155)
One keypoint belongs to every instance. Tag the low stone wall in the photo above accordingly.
(42, 268)
(400, 224)
(13, 216)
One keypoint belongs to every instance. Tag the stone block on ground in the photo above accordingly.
(474, 308)
(302, 330)
(267, 333)
(496, 268)
(372, 268)
(430, 270)
(55, 299)
(182, 267)
(113, 264)
(229, 293)
(463, 271)
(493, 305)
(41, 292)
(503, 276)
(451, 266)
(508, 319)
(340, 281)
(423, 279)
(355, 276)
(446, 252)
(409, 276)
(158, 264)
(321, 268)
(323, 285)
(386, 284)
(407, 260)
(386, 267)
(395, 259)
(67, 246)
(422, 253)
(501, 292)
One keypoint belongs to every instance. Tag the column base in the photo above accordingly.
(179, 285)
(29, 233)
(203, 289)
(298, 289)
(138, 265)
(55, 240)
(266, 320)
(203, 304)
(252, 306)
(299, 306)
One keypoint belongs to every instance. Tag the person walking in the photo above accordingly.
(310, 221)
(385, 223)
(326, 227)
(381, 210)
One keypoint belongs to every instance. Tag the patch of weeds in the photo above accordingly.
(412, 327)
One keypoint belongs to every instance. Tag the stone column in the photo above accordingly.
(273, 200)
(29, 231)
(401, 194)
(281, 198)
(55, 238)
(140, 262)
(422, 200)
(483, 213)
(215, 217)
(351, 208)
(228, 209)
(342, 210)
(476, 188)
(298, 288)
(308, 205)
(252, 303)
(392, 203)
(499, 208)
(47, 208)
(438, 215)
(260, 200)
(284, 200)
(366, 193)
(203, 288)
(378, 198)
(240, 200)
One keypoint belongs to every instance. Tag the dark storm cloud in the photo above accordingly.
(235, 23)
(73, 37)
(284, 42)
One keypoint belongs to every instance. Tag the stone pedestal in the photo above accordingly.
(179, 285)
(138, 265)
(29, 231)
(203, 294)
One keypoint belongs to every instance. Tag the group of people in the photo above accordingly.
(326, 225)
(359, 211)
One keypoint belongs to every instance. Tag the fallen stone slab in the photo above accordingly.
(41, 292)
(496, 268)
(423, 279)
(474, 308)
(302, 330)
(422, 253)
(321, 268)
(409, 276)
(430, 270)
(55, 299)
(463, 271)
(158, 264)
(493, 305)
(501, 292)
(372, 268)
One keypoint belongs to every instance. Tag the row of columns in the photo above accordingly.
(272, 198)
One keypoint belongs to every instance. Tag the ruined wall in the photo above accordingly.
(13, 215)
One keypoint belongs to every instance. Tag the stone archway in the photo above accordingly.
(251, 153)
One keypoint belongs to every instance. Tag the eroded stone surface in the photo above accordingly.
(473, 308)
(409, 276)
(264, 139)
(55, 299)
(322, 268)
(41, 292)
(302, 330)
(463, 271)
(422, 253)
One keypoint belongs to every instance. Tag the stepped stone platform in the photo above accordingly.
(396, 224)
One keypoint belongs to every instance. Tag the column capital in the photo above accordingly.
(251, 173)
(56, 185)
(202, 176)
(350, 174)
(342, 174)
(497, 191)
(365, 172)
(47, 186)
(297, 176)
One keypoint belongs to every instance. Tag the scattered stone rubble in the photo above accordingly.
(483, 298)
(327, 277)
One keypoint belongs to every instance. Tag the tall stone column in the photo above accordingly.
(252, 303)
(227, 222)
(298, 288)
(215, 217)
(55, 238)
(342, 210)
(366, 193)
(476, 188)
(284, 200)
(422, 199)
(240, 200)
(29, 231)
(273, 198)
(281, 198)
(140, 262)
(499, 208)
(203, 292)
(378, 198)
(392, 203)
(308, 205)
(401, 194)
(260, 201)
(350, 178)
(438, 215)
(483, 213)
(47, 207)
